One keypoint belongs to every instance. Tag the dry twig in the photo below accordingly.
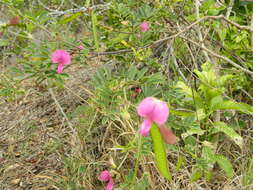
(219, 56)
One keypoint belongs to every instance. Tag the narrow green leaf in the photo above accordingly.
(184, 88)
(193, 130)
(87, 4)
(182, 113)
(4, 42)
(225, 164)
(180, 162)
(196, 175)
(209, 155)
(222, 127)
(160, 152)
(94, 29)
(217, 103)
(70, 18)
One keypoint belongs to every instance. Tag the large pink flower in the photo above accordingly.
(152, 110)
(157, 111)
(144, 26)
(61, 57)
(105, 176)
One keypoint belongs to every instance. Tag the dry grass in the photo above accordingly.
(36, 145)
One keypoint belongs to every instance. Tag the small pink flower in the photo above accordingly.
(144, 26)
(138, 90)
(80, 47)
(61, 57)
(105, 176)
(152, 110)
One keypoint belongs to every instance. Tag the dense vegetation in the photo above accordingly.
(65, 121)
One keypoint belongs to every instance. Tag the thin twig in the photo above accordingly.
(219, 56)
(175, 63)
(61, 110)
(99, 7)
(197, 3)
(242, 27)
(76, 142)
(95, 54)
(231, 4)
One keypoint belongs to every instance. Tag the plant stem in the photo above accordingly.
(94, 29)
(137, 160)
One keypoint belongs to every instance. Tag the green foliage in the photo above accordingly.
(225, 164)
(160, 152)
(10, 89)
(214, 87)
(208, 99)
(222, 127)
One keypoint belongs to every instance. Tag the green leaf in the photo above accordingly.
(70, 18)
(225, 164)
(4, 42)
(182, 113)
(160, 152)
(222, 127)
(208, 154)
(193, 130)
(184, 88)
(94, 29)
(180, 162)
(217, 103)
(196, 175)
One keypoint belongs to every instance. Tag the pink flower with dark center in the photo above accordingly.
(61, 57)
(105, 176)
(144, 26)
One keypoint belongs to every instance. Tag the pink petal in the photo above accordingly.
(60, 68)
(110, 185)
(80, 47)
(168, 135)
(61, 57)
(160, 113)
(145, 127)
(146, 107)
(144, 26)
(104, 176)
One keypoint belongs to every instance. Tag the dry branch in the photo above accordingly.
(218, 56)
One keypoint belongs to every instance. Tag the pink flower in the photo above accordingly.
(157, 111)
(152, 110)
(80, 47)
(105, 176)
(137, 90)
(144, 26)
(61, 57)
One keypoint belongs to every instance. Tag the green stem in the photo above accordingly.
(137, 160)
